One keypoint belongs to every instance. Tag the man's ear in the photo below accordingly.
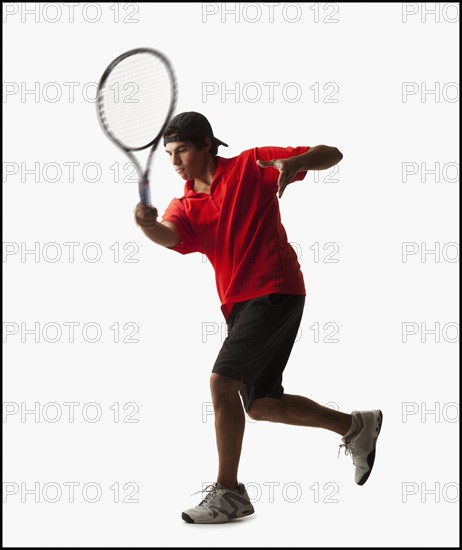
(207, 144)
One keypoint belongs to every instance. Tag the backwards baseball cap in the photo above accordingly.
(190, 126)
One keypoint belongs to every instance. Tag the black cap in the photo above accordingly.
(190, 126)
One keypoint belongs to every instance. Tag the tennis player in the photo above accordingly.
(230, 212)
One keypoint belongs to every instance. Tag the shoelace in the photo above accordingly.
(348, 449)
(210, 489)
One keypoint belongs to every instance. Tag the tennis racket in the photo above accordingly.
(135, 101)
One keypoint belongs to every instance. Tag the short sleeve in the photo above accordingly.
(176, 214)
(270, 176)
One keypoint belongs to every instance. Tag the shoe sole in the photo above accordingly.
(187, 518)
(371, 455)
(243, 513)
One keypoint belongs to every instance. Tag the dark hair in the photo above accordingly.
(199, 143)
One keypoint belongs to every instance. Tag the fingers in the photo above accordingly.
(285, 172)
(265, 163)
(282, 184)
(286, 175)
(146, 215)
(281, 190)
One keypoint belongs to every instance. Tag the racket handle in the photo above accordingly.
(145, 193)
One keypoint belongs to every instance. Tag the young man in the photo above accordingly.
(230, 212)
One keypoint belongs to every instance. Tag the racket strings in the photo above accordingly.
(135, 100)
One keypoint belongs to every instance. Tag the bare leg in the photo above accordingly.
(300, 411)
(229, 427)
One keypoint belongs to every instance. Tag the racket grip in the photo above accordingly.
(145, 193)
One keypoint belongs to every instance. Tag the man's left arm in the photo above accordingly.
(319, 157)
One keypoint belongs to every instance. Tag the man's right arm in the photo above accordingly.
(164, 233)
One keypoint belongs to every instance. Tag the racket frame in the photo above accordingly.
(143, 176)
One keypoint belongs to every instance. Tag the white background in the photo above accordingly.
(365, 52)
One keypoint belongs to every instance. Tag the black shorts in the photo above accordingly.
(261, 334)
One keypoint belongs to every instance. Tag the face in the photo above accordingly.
(187, 161)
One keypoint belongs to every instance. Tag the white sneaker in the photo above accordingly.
(220, 505)
(360, 442)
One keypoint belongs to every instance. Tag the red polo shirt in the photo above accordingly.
(238, 227)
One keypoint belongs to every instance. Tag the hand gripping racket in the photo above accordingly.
(135, 101)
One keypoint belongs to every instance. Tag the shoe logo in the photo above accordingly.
(234, 503)
(217, 510)
(234, 500)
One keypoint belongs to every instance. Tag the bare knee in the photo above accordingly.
(222, 388)
(255, 410)
(263, 408)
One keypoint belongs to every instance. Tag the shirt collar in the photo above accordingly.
(223, 165)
